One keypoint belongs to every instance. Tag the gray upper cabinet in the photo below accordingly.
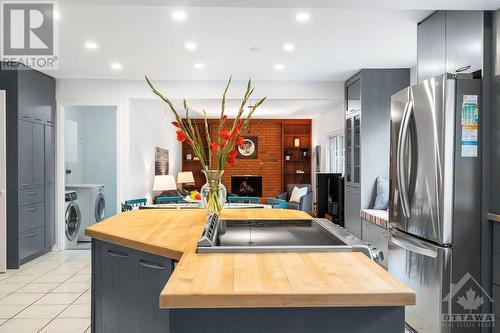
(367, 134)
(25, 142)
(431, 46)
(50, 217)
(464, 41)
(450, 42)
(38, 155)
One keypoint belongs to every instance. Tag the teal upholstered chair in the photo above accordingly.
(238, 199)
(130, 204)
(175, 199)
(277, 203)
(125, 207)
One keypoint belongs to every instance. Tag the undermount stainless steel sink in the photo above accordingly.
(250, 236)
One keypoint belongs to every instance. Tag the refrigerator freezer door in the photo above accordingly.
(426, 269)
(422, 160)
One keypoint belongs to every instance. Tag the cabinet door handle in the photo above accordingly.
(26, 117)
(31, 193)
(31, 234)
(30, 209)
(117, 254)
(38, 184)
(150, 264)
(39, 119)
(24, 185)
(462, 69)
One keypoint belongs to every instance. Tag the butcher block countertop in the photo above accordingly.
(224, 280)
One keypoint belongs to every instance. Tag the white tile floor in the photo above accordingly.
(48, 294)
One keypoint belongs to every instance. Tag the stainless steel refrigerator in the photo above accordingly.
(435, 194)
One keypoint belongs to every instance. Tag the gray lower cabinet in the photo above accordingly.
(31, 242)
(496, 275)
(352, 208)
(378, 237)
(126, 286)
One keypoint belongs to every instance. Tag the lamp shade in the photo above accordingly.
(185, 177)
(164, 183)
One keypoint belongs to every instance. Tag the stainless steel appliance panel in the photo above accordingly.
(399, 104)
(426, 269)
(422, 184)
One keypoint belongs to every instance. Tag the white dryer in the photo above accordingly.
(92, 205)
(72, 220)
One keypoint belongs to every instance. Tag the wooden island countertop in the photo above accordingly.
(229, 280)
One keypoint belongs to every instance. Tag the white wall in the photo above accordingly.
(328, 123)
(96, 150)
(149, 127)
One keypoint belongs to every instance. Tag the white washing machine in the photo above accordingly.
(72, 220)
(92, 205)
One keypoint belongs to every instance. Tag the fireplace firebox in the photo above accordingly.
(246, 186)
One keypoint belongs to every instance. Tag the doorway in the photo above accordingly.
(90, 166)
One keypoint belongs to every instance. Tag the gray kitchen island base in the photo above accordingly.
(126, 285)
(288, 320)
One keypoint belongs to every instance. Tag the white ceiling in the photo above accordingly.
(339, 4)
(145, 40)
(271, 109)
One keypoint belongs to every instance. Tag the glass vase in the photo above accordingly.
(213, 193)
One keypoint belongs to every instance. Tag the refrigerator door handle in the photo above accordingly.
(401, 172)
(413, 246)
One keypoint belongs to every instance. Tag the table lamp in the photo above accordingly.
(164, 183)
(185, 177)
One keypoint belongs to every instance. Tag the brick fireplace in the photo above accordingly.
(246, 186)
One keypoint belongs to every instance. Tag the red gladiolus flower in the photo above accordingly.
(239, 123)
(233, 153)
(235, 132)
(240, 141)
(213, 147)
(231, 160)
(180, 136)
(176, 124)
(225, 134)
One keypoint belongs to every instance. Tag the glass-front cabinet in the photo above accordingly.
(352, 134)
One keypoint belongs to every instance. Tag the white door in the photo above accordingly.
(3, 194)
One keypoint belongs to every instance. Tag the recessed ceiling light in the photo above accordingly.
(279, 67)
(91, 45)
(191, 46)
(179, 15)
(303, 17)
(116, 66)
(288, 47)
(56, 15)
(199, 65)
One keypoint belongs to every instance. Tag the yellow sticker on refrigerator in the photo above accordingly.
(470, 125)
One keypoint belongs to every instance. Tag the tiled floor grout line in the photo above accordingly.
(51, 320)
(47, 292)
